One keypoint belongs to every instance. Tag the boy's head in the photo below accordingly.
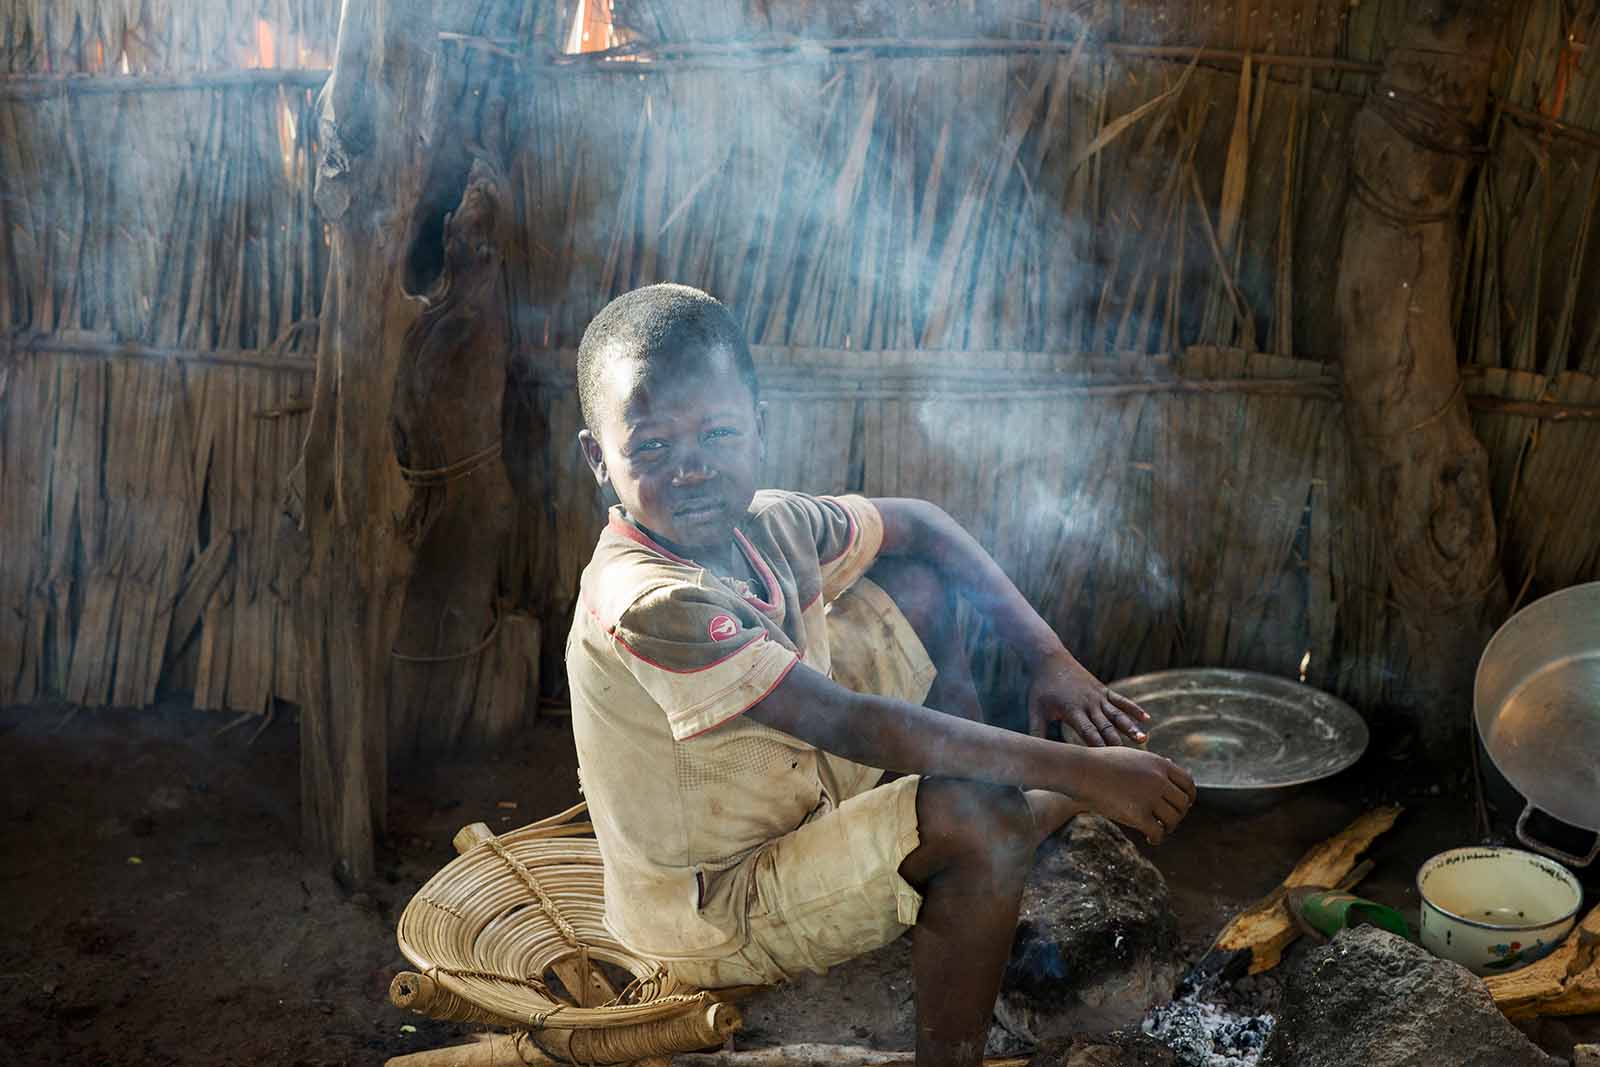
(673, 420)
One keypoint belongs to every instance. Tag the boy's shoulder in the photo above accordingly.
(790, 515)
(767, 499)
(626, 568)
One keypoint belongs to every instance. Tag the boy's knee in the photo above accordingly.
(917, 589)
(991, 825)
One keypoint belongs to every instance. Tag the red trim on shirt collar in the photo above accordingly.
(633, 533)
(764, 572)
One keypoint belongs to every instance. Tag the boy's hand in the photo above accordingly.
(1148, 792)
(1063, 691)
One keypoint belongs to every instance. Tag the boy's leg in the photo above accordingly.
(976, 845)
(929, 604)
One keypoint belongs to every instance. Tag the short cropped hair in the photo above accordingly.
(659, 322)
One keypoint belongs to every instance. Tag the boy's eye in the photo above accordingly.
(652, 445)
(721, 432)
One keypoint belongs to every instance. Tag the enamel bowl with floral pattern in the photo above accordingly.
(1493, 910)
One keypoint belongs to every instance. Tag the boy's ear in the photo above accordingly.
(593, 456)
(761, 427)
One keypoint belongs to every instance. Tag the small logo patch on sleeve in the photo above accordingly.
(723, 627)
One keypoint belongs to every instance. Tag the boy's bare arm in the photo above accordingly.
(1139, 789)
(1062, 689)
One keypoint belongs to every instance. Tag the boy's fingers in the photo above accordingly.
(1170, 812)
(1122, 722)
(1183, 779)
(1179, 800)
(1128, 706)
(1103, 729)
(1154, 831)
(1085, 725)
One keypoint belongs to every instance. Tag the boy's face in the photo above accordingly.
(681, 445)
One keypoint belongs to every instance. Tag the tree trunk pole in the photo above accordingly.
(446, 422)
(388, 114)
(346, 481)
(1425, 474)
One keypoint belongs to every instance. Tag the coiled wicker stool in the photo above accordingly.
(491, 928)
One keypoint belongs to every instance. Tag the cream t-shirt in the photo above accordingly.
(662, 659)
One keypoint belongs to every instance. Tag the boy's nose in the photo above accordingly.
(693, 470)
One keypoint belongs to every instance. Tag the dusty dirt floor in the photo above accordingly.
(157, 911)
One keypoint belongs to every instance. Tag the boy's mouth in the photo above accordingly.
(698, 510)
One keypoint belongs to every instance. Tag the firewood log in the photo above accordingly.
(1566, 982)
(1254, 941)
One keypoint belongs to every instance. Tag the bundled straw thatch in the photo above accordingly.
(983, 257)
(142, 489)
(149, 36)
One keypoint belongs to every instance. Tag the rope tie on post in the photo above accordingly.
(1425, 123)
(488, 638)
(432, 477)
(1425, 422)
(1387, 209)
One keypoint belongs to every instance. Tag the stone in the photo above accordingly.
(1372, 998)
(1124, 1048)
(1096, 944)
(1096, 948)
(1586, 1056)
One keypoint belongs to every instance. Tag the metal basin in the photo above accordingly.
(1248, 739)
(1536, 703)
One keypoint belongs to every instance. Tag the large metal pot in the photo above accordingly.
(1536, 702)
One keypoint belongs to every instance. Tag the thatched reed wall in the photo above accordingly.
(141, 37)
(139, 495)
(940, 247)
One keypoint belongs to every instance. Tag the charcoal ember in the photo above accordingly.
(1123, 1048)
(1206, 1034)
(1096, 944)
(1371, 998)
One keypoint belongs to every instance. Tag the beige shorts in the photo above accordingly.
(831, 890)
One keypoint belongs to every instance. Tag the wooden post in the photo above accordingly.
(1416, 141)
(390, 114)
(446, 425)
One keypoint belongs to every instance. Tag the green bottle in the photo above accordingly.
(1327, 911)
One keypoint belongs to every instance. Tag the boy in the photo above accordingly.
(746, 666)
